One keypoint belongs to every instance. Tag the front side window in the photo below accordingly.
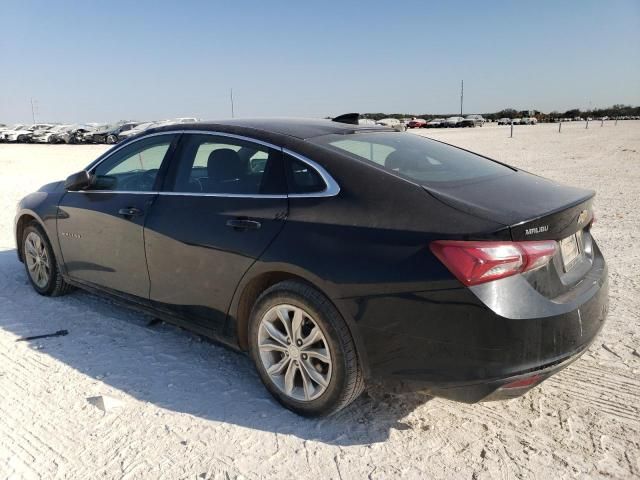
(225, 165)
(419, 159)
(135, 167)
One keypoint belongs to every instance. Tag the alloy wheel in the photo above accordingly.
(37, 258)
(294, 352)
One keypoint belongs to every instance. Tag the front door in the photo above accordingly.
(101, 229)
(224, 202)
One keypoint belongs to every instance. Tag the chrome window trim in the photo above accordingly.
(331, 186)
(115, 191)
(233, 135)
(225, 195)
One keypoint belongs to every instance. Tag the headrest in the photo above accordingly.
(224, 165)
(405, 161)
(395, 160)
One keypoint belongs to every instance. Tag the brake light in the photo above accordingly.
(479, 262)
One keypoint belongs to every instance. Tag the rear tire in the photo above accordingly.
(313, 369)
(40, 263)
(112, 139)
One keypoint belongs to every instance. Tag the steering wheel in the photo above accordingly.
(139, 182)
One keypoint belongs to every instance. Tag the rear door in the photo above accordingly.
(223, 203)
(101, 229)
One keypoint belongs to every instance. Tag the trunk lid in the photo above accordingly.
(533, 207)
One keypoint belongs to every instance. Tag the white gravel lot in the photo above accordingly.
(187, 408)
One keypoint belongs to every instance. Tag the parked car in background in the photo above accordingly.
(71, 134)
(109, 133)
(515, 121)
(184, 120)
(47, 135)
(436, 123)
(23, 134)
(393, 123)
(453, 122)
(388, 122)
(504, 121)
(135, 130)
(9, 128)
(472, 121)
(417, 123)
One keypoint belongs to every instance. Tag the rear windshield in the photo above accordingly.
(419, 159)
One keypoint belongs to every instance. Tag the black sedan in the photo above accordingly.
(335, 254)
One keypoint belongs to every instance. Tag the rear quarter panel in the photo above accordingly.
(371, 241)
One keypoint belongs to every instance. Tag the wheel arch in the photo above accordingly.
(24, 219)
(251, 287)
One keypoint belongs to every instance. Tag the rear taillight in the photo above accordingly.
(479, 262)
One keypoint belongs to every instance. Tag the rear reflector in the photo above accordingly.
(479, 262)
(522, 383)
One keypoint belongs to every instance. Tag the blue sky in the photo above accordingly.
(104, 61)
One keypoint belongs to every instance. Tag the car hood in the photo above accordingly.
(516, 199)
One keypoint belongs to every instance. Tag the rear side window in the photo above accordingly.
(225, 165)
(302, 178)
(420, 159)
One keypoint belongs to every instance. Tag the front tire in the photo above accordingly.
(40, 263)
(303, 350)
(111, 139)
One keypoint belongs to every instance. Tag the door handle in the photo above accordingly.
(241, 224)
(130, 212)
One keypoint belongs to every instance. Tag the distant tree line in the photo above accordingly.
(617, 110)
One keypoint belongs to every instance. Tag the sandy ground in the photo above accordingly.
(180, 407)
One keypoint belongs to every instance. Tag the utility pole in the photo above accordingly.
(232, 113)
(461, 96)
(33, 112)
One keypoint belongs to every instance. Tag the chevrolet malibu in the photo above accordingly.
(335, 254)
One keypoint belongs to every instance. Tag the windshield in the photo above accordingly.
(419, 159)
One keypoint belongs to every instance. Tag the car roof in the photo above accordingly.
(301, 128)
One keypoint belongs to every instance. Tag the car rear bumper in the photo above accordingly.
(488, 389)
(450, 343)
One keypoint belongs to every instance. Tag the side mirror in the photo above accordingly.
(78, 181)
